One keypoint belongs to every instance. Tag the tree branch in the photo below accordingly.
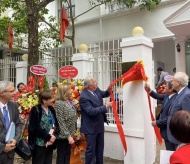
(52, 27)
(43, 4)
(87, 11)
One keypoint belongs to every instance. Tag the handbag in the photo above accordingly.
(23, 149)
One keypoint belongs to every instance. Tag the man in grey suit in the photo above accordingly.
(161, 120)
(182, 99)
(8, 113)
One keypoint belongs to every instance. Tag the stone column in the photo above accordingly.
(83, 62)
(138, 131)
(21, 72)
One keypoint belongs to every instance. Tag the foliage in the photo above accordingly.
(46, 85)
(144, 4)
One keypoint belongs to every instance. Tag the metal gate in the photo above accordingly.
(107, 66)
(8, 69)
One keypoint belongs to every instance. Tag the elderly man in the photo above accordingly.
(9, 113)
(92, 120)
(182, 99)
(162, 118)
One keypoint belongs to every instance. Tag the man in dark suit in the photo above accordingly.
(92, 119)
(8, 113)
(161, 120)
(179, 82)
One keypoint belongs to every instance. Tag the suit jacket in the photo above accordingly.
(92, 111)
(181, 102)
(34, 129)
(161, 122)
(181, 155)
(14, 117)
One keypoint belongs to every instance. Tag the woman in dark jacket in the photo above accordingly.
(42, 129)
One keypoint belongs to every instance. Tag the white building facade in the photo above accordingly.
(116, 22)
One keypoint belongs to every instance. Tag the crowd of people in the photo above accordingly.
(53, 127)
(174, 119)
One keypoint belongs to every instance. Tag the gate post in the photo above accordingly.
(83, 62)
(21, 72)
(138, 131)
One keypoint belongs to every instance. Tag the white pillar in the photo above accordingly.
(139, 133)
(83, 62)
(21, 72)
(180, 56)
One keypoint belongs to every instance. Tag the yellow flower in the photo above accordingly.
(26, 101)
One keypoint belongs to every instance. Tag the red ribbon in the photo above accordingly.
(156, 129)
(118, 123)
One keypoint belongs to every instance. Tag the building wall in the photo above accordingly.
(164, 51)
(82, 6)
(121, 24)
(93, 27)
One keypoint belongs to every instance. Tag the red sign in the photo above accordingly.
(67, 71)
(38, 70)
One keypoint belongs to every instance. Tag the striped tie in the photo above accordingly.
(6, 117)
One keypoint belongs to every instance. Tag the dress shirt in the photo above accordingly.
(1, 107)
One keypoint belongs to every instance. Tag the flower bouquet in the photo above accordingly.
(26, 101)
(161, 89)
(78, 147)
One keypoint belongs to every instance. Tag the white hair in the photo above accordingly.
(5, 84)
(182, 77)
(88, 81)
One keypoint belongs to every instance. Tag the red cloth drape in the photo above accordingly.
(10, 38)
(133, 74)
(64, 23)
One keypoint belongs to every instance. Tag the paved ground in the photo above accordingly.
(106, 160)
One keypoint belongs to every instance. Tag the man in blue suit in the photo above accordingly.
(92, 119)
(161, 120)
(179, 82)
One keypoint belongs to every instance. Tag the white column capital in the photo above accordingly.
(137, 40)
(180, 39)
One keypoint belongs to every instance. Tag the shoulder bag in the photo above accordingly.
(23, 149)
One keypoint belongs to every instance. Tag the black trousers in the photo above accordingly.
(42, 155)
(63, 151)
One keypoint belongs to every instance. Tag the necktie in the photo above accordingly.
(166, 101)
(6, 117)
(95, 95)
